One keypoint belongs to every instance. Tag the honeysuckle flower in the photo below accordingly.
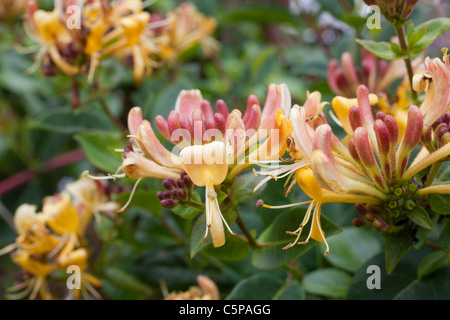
(376, 74)
(36, 283)
(187, 27)
(130, 37)
(210, 147)
(52, 239)
(371, 169)
(382, 168)
(90, 198)
(120, 29)
(57, 45)
(207, 167)
(435, 81)
(307, 143)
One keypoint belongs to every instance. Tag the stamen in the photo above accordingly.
(131, 196)
(298, 232)
(224, 221)
(92, 290)
(30, 285)
(108, 177)
(335, 118)
(65, 238)
(8, 249)
(286, 205)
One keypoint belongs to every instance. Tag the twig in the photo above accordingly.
(28, 174)
(404, 47)
(116, 121)
(7, 216)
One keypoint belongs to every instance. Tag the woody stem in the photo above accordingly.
(252, 242)
(404, 46)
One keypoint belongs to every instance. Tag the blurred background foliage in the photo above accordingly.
(148, 249)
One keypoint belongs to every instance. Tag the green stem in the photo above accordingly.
(434, 170)
(251, 241)
(404, 46)
(114, 120)
(172, 231)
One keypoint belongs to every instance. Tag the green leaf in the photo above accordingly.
(396, 246)
(381, 49)
(440, 203)
(243, 185)
(100, 149)
(327, 282)
(415, 35)
(420, 216)
(444, 237)
(403, 282)
(260, 286)
(434, 28)
(235, 249)
(274, 256)
(126, 281)
(432, 262)
(68, 121)
(294, 291)
(350, 249)
(187, 211)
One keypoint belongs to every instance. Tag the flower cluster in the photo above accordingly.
(374, 73)
(78, 34)
(373, 166)
(54, 238)
(209, 147)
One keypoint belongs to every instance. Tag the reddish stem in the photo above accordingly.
(53, 164)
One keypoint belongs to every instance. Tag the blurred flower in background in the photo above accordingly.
(54, 239)
(121, 29)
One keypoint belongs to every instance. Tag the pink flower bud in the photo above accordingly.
(382, 135)
(221, 107)
(173, 121)
(352, 149)
(354, 117)
(198, 125)
(163, 127)
(364, 106)
(363, 147)
(251, 101)
(348, 66)
(414, 127)
(134, 120)
(221, 122)
(209, 114)
(254, 118)
(393, 130)
(188, 101)
(332, 77)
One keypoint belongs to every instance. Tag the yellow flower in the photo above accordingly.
(207, 167)
(37, 282)
(187, 27)
(47, 29)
